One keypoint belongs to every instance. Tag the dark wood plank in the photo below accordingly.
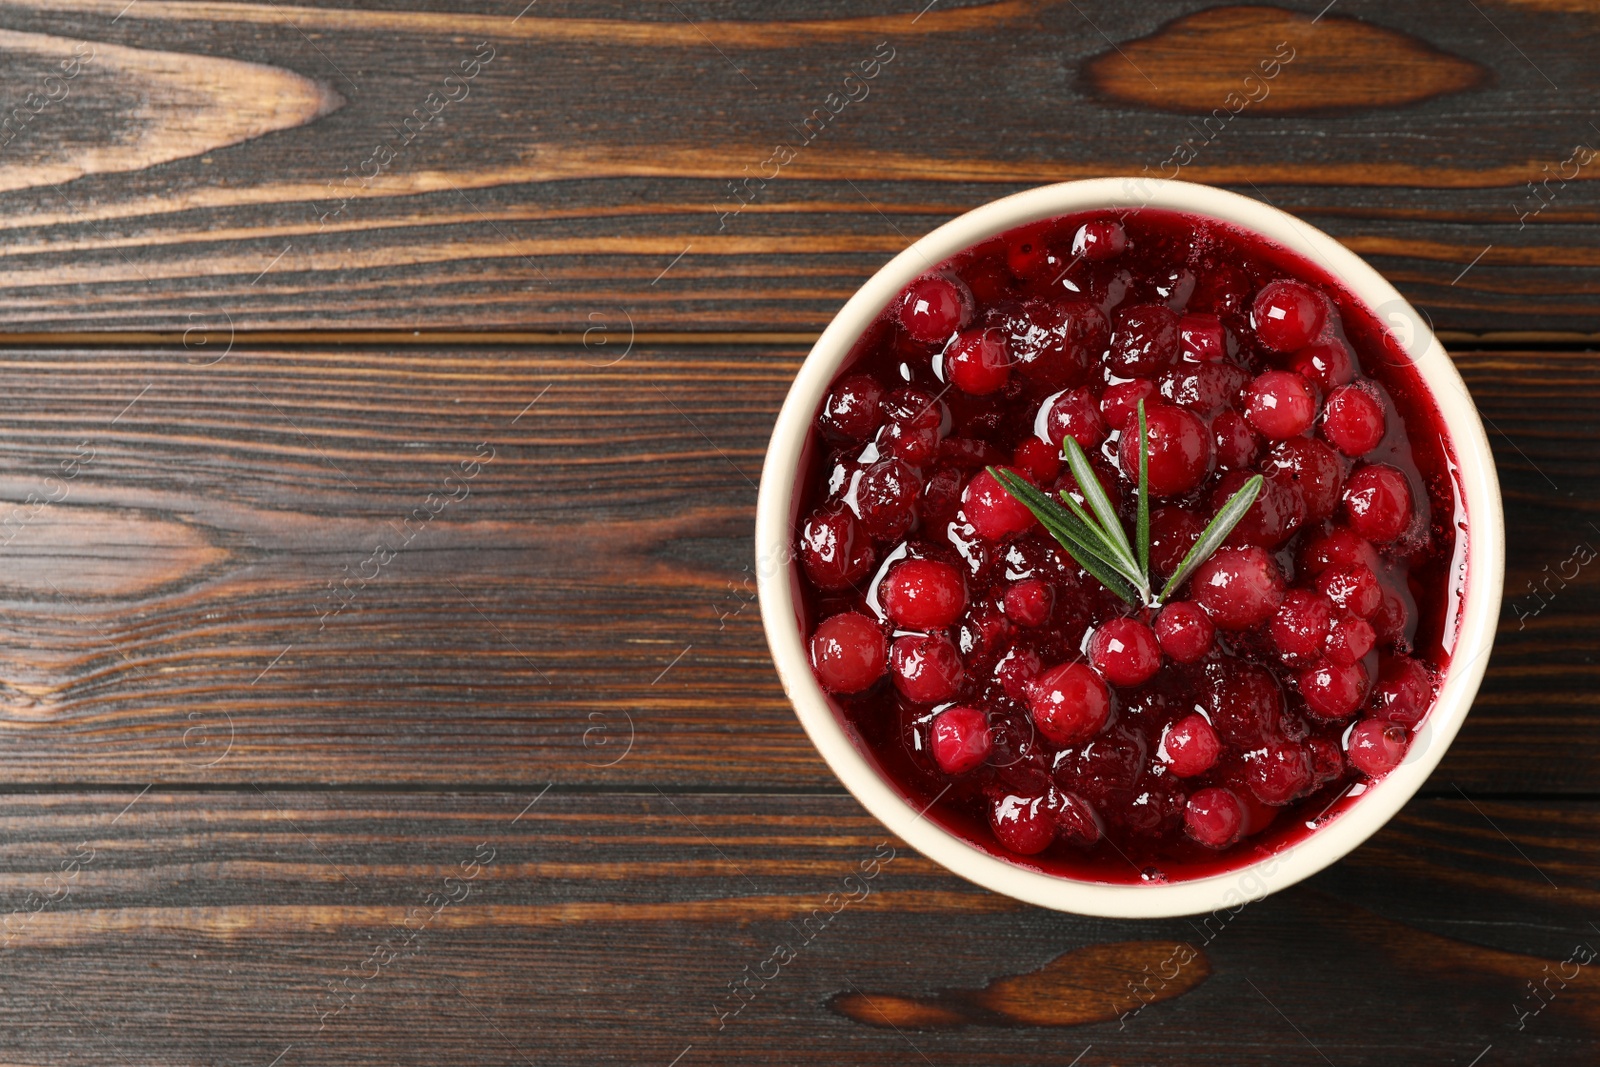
(170, 595)
(340, 928)
(251, 164)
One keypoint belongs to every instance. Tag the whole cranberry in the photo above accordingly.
(1377, 498)
(848, 653)
(1300, 626)
(1173, 532)
(1376, 747)
(941, 497)
(886, 498)
(1179, 449)
(1190, 746)
(1339, 546)
(1287, 315)
(914, 425)
(926, 670)
(1279, 773)
(1392, 622)
(1333, 691)
(1120, 402)
(1272, 518)
(1184, 631)
(1327, 760)
(834, 550)
(1099, 240)
(1204, 388)
(1279, 404)
(1327, 363)
(993, 512)
(1353, 587)
(934, 308)
(1053, 345)
(1076, 820)
(1221, 289)
(1349, 640)
(1016, 669)
(850, 412)
(1021, 823)
(1353, 420)
(1038, 460)
(1107, 769)
(1238, 587)
(1030, 602)
(1236, 442)
(1313, 469)
(1243, 702)
(1214, 817)
(1028, 252)
(1076, 414)
(1145, 341)
(1203, 338)
(1125, 652)
(1069, 703)
(923, 594)
(1156, 809)
(960, 739)
(977, 361)
(1404, 690)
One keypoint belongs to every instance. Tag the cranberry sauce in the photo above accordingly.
(999, 685)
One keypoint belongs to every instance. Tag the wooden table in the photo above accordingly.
(386, 389)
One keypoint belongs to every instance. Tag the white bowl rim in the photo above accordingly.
(1231, 890)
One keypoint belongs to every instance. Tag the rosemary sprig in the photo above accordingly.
(1098, 542)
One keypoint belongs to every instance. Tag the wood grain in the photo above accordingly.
(525, 198)
(276, 566)
(568, 928)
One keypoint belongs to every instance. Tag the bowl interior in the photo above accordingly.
(1477, 490)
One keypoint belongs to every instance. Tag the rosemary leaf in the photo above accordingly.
(1142, 533)
(1214, 534)
(1082, 542)
(1110, 525)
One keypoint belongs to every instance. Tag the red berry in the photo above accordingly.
(993, 512)
(934, 308)
(1179, 449)
(1190, 746)
(1243, 702)
(1076, 414)
(1204, 388)
(1404, 691)
(1300, 627)
(960, 739)
(1353, 420)
(834, 550)
(1328, 363)
(1333, 691)
(977, 362)
(1280, 405)
(941, 497)
(1378, 500)
(1184, 631)
(923, 594)
(886, 498)
(1075, 818)
(1313, 469)
(914, 425)
(1376, 747)
(1340, 546)
(1214, 817)
(927, 670)
(1173, 532)
(1287, 315)
(1145, 341)
(1016, 670)
(1120, 402)
(1100, 240)
(1392, 621)
(851, 410)
(1327, 760)
(1349, 640)
(1054, 345)
(1238, 587)
(1125, 652)
(1069, 703)
(1236, 442)
(1203, 338)
(1021, 823)
(848, 653)
(1353, 587)
(1279, 773)
(1037, 460)
(1029, 602)
(1272, 518)
(1027, 254)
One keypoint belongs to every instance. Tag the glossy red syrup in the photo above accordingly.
(1002, 688)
